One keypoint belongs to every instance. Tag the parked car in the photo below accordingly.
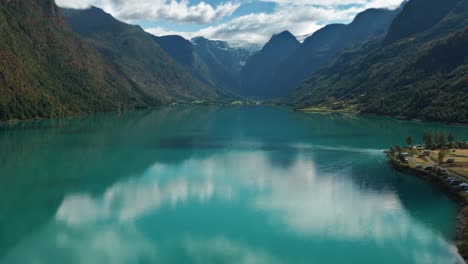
(429, 168)
(451, 160)
(455, 182)
(419, 166)
(442, 172)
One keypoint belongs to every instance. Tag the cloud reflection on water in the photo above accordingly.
(308, 203)
(299, 199)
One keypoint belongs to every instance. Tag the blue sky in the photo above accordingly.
(239, 22)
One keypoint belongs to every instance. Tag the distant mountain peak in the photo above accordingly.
(286, 35)
(283, 39)
(94, 9)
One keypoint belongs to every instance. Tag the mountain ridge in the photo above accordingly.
(48, 71)
(319, 49)
(259, 69)
(138, 56)
(423, 76)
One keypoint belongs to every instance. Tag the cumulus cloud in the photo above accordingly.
(150, 10)
(300, 17)
(259, 27)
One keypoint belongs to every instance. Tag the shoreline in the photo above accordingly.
(86, 114)
(461, 229)
(301, 110)
(328, 110)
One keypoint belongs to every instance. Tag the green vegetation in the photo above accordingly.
(409, 140)
(155, 75)
(319, 49)
(450, 137)
(422, 76)
(47, 71)
(441, 163)
(427, 138)
(319, 109)
(441, 155)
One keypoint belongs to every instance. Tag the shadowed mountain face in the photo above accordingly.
(422, 74)
(180, 49)
(214, 63)
(318, 49)
(284, 63)
(260, 68)
(417, 16)
(47, 71)
(223, 62)
(155, 74)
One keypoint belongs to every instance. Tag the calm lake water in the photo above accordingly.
(218, 185)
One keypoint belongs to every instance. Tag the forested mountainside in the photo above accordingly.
(419, 70)
(410, 62)
(131, 50)
(318, 49)
(47, 71)
(283, 63)
(214, 63)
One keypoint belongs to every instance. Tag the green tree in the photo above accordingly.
(440, 139)
(399, 149)
(441, 155)
(450, 138)
(409, 140)
(427, 138)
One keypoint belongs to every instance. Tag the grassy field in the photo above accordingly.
(460, 166)
(349, 109)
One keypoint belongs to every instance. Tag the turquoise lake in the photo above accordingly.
(193, 184)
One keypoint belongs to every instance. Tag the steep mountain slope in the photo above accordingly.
(214, 63)
(137, 56)
(418, 16)
(47, 71)
(259, 71)
(318, 49)
(180, 49)
(424, 75)
(223, 62)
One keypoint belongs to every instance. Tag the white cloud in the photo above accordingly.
(299, 17)
(335, 3)
(76, 4)
(152, 10)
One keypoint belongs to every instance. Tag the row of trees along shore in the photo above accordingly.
(438, 141)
